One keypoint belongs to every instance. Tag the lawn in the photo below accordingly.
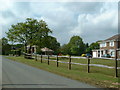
(100, 77)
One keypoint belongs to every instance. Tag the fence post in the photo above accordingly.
(36, 57)
(116, 72)
(48, 59)
(41, 58)
(70, 62)
(57, 60)
(88, 65)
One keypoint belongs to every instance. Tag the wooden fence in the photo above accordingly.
(41, 58)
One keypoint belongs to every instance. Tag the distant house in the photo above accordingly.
(47, 51)
(33, 48)
(108, 46)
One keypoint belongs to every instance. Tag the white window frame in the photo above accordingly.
(111, 43)
(103, 44)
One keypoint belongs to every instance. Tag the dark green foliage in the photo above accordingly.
(49, 42)
(65, 49)
(75, 46)
(6, 48)
(53, 44)
(17, 49)
(92, 46)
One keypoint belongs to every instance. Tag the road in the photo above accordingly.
(18, 75)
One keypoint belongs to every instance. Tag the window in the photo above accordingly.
(111, 44)
(103, 44)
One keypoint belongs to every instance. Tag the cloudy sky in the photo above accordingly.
(92, 21)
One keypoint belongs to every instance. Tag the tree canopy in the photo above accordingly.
(92, 46)
(28, 31)
(75, 46)
(32, 32)
(36, 32)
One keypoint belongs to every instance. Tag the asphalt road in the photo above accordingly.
(18, 75)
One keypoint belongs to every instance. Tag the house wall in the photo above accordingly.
(94, 54)
(118, 44)
(108, 46)
(111, 49)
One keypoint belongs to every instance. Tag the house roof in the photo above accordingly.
(114, 38)
(46, 49)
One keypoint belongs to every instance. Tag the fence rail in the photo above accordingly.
(48, 59)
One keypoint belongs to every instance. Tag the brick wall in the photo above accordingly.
(109, 47)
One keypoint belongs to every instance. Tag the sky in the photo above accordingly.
(92, 21)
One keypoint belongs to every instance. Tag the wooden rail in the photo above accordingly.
(40, 57)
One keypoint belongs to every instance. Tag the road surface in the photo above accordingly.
(18, 75)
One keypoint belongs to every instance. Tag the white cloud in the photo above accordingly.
(89, 20)
(97, 26)
(5, 4)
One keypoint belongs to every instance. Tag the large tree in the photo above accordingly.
(29, 32)
(53, 44)
(75, 46)
(49, 42)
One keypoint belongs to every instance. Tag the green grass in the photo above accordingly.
(100, 77)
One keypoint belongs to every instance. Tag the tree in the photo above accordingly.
(16, 49)
(6, 48)
(4, 41)
(65, 49)
(92, 46)
(75, 46)
(95, 45)
(53, 44)
(29, 32)
(49, 42)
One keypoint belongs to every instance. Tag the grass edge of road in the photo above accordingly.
(91, 78)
